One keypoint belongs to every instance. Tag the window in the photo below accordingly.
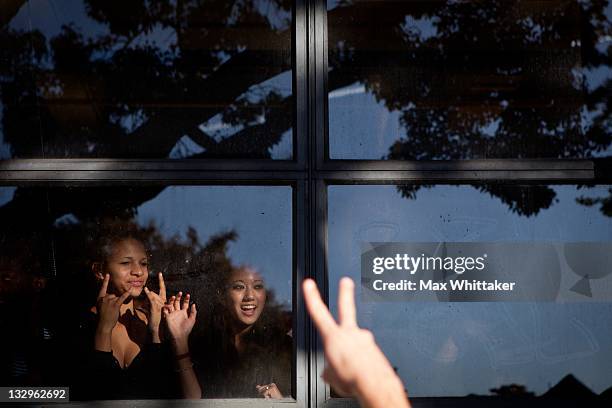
(463, 348)
(204, 239)
(275, 137)
(448, 80)
(171, 80)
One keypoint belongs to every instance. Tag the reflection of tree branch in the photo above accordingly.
(221, 88)
(255, 140)
(480, 85)
(524, 200)
(605, 203)
(45, 206)
(8, 10)
(191, 86)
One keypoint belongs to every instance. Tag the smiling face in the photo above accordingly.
(245, 296)
(127, 264)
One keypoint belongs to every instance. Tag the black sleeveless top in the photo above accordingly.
(98, 375)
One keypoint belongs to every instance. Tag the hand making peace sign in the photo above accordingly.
(355, 365)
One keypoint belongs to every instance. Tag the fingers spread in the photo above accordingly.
(162, 286)
(319, 313)
(346, 303)
(104, 287)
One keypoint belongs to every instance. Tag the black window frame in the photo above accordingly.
(309, 173)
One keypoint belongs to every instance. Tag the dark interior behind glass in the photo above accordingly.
(195, 235)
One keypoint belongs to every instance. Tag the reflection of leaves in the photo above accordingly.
(409, 191)
(473, 80)
(184, 62)
(605, 203)
(523, 200)
(133, 17)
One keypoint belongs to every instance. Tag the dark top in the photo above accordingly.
(99, 376)
(225, 373)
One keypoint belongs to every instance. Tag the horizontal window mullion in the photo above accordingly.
(375, 176)
(458, 165)
(144, 177)
(142, 165)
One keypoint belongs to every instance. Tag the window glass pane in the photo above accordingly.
(229, 247)
(439, 80)
(146, 79)
(457, 349)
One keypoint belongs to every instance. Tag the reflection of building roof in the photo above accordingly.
(569, 388)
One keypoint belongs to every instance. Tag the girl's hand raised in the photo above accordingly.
(180, 319)
(108, 307)
(157, 302)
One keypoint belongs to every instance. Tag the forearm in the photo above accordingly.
(381, 394)
(102, 339)
(190, 387)
(155, 337)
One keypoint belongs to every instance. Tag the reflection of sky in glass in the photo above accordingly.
(461, 348)
(359, 125)
(6, 194)
(261, 215)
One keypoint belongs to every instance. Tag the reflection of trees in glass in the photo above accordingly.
(155, 73)
(525, 200)
(474, 80)
(604, 203)
(479, 80)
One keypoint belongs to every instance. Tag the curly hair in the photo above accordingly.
(111, 232)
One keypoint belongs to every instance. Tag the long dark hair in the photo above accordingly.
(218, 324)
